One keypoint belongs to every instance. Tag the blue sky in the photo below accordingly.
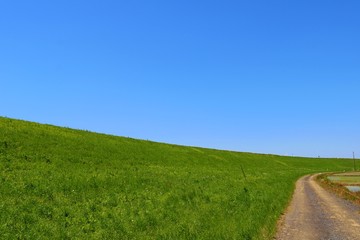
(265, 76)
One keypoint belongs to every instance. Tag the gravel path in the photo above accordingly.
(317, 214)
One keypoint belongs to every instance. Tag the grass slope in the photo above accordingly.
(63, 183)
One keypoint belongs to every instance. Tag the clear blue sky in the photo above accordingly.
(264, 76)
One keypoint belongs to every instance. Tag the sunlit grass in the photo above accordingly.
(63, 183)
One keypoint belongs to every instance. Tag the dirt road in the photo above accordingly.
(314, 213)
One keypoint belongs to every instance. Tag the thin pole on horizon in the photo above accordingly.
(354, 161)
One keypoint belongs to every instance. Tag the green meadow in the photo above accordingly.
(60, 183)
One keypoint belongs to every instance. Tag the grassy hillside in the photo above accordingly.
(63, 183)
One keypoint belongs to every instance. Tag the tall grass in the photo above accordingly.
(63, 183)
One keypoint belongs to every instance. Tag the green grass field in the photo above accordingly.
(69, 184)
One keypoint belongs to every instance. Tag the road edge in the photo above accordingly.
(281, 220)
